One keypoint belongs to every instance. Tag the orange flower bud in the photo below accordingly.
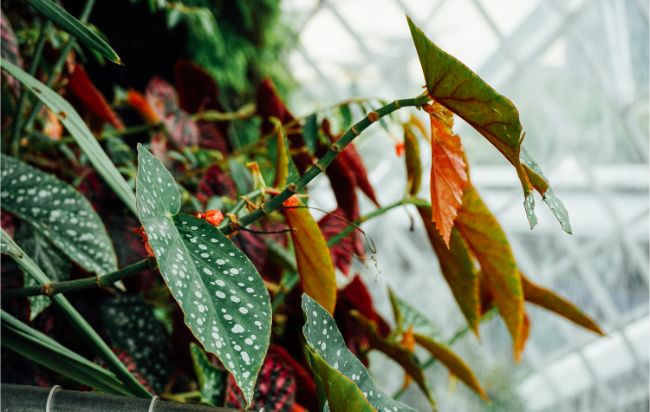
(213, 217)
(399, 148)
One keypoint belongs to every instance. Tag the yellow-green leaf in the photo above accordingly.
(413, 162)
(396, 351)
(315, 267)
(452, 361)
(550, 300)
(488, 243)
(457, 267)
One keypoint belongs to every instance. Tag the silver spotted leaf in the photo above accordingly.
(57, 211)
(222, 295)
(212, 379)
(133, 328)
(324, 338)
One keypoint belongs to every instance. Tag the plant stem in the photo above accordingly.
(239, 205)
(377, 212)
(243, 112)
(83, 17)
(54, 288)
(276, 202)
(36, 59)
(83, 327)
(459, 334)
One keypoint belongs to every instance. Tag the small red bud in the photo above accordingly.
(399, 149)
(213, 217)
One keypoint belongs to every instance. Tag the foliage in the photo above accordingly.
(216, 170)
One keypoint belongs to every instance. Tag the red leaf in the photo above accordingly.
(306, 394)
(80, 85)
(197, 90)
(212, 137)
(332, 224)
(354, 162)
(448, 176)
(357, 295)
(163, 100)
(215, 183)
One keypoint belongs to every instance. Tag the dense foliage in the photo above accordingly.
(171, 227)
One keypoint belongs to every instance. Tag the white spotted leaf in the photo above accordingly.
(212, 379)
(224, 299)
(324, 338)
(58, 212)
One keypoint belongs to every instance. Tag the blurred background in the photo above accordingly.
(578, 72)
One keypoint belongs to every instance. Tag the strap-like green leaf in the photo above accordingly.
(45, 351)
(224, 299)
(79, 131)
(57, 211)
(324, 338)
(79, 30)
(212, 379)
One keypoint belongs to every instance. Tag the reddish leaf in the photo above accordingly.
(332, 224)
(197, 90)
(163, 100)
(488, 243)
(275, 390)
(212, 137)
(313, 259)
(215, 183)
(358, 297)
(448, 175)
(355, 163)
(80, 85)
(548, 299)
(306, 393)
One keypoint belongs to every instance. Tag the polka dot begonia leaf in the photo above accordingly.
(58, 212)
(222, 295)
(324, 338)
(212, 379)
(132, 327)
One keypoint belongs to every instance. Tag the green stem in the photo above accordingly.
(243, 112)
(240, 205)
(276, 202)
(54, 288)
(83, 327)
(83, 17)
(456, 336)
(36, 59)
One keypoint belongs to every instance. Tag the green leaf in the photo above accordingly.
(212, 379)
(340, 393)
(45, 351)
(79, 131)
(47, 257)
(132, 327)
(489, 245)
(346, 116)
(324, 338)
(79, 30)
(454, 363)
(538, 179)
(459, 89)
(58, 212)
(224, 299)
(457, 266)
(396, 351)
(406, 315)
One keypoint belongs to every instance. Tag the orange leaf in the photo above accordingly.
(83, 88)
(547, 299)
(408, 342)
(448, 176)
(457, 267)
(454, 363)
(488, 243)
(313, 258)
(141, 105)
